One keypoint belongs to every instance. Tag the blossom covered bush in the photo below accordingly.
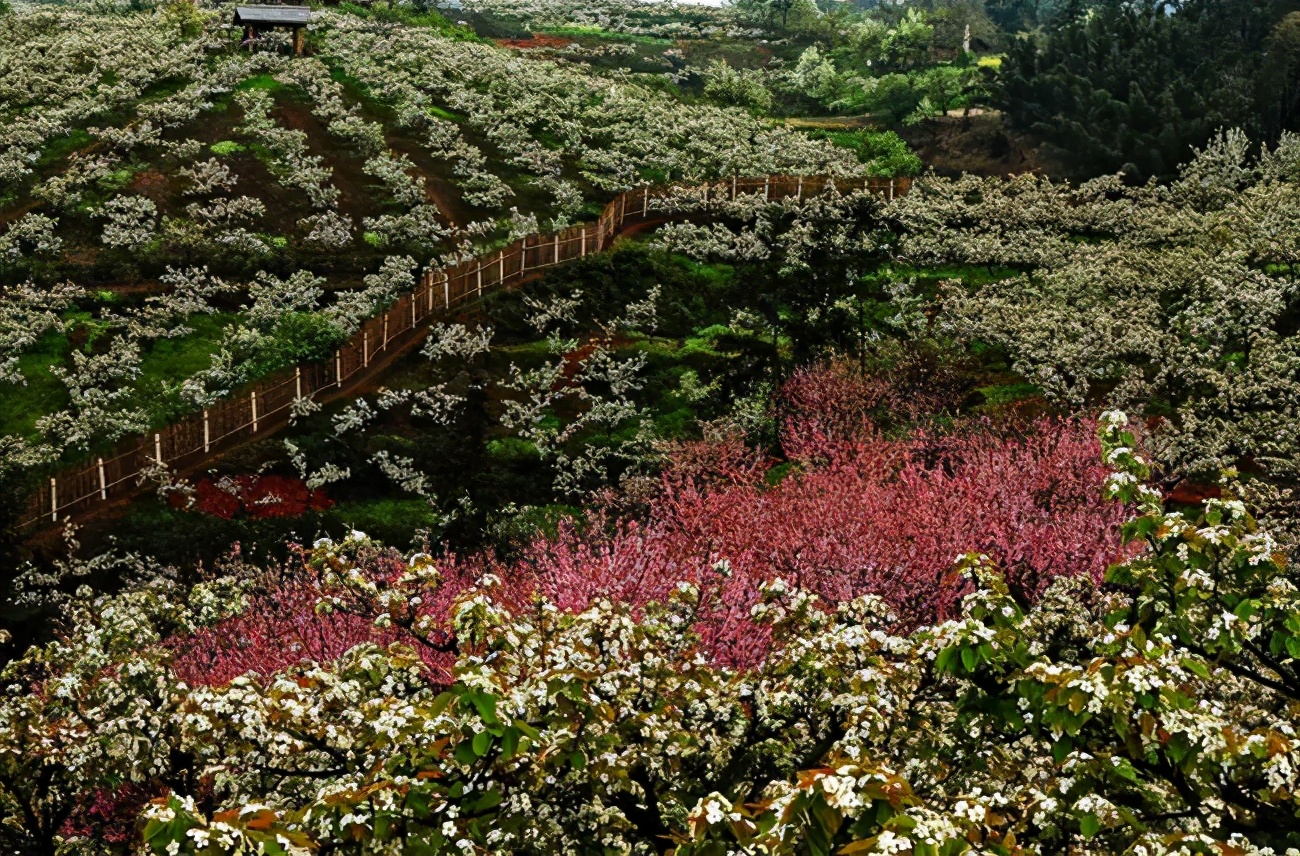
(1176, 301)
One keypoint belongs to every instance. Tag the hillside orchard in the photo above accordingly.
(960, 520)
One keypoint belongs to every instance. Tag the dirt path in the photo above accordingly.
(832, 123)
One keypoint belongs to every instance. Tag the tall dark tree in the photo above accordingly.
(1136, 84)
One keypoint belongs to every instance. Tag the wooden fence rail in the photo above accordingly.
(266, 405)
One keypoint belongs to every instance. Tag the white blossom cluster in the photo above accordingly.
(1169, 297)
(668, 20)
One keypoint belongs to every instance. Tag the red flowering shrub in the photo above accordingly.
(284, 625)
(860, 513)
(110, 816)
(837, 400)
(881, 516)
(255, 496)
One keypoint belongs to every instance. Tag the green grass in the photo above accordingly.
(444, 113)
(968, 274)
(885, 153)
(21, 406)
(162, 369)
(226, 147)
(410, 17)
(265, 82)
(182, 357)
(61, 147)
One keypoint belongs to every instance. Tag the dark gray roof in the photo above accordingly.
(272, 15)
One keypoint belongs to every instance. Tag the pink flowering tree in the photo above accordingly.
(859, 513)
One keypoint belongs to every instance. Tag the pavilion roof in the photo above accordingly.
(289, 15)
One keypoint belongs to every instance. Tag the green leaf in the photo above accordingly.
(1293, 647)
(486, 705)
(482, 742)
(465, 754)
(1125, 770)
(527, 730)
(440, 704)
(969, 659)
(1089, 825)
(509, 743)
(490, 799)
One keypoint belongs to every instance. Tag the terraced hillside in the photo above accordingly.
(180, 216)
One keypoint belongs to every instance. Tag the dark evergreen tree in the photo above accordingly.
(1136, 84)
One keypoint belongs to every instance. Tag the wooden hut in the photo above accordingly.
(255, 19)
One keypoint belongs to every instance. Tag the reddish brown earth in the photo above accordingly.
(537, 41)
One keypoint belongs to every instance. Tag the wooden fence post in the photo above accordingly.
(338, 367)
(557, 248)
(54, 500)
(103, 483)
(385, 347)
(767, 188)
(413, 301)
(798, 192)
(157, 447)
(446, 289)
(207, 434)
(430, 309)
(297, 382)
(583, 250)
(645, 200)
(733, 187)
(365, 349)
(252, 396)
(891, 190)
(501, 267)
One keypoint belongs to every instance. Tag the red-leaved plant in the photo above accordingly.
(254, 496)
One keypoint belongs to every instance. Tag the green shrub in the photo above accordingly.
(298, 337)
(226, 147)
(512, 450)
(392, 521)
(1008, 393)
(885, 153)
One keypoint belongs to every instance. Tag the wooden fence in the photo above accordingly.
(266, 405)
